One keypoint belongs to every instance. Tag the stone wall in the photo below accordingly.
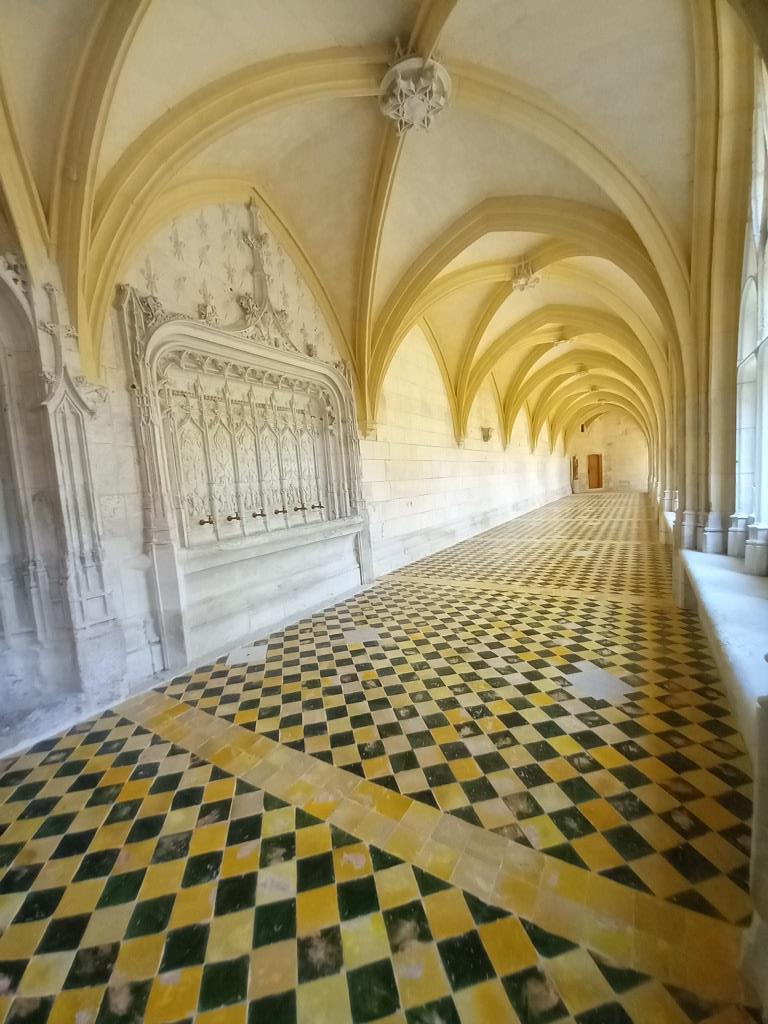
(621, 443)
(424, 492)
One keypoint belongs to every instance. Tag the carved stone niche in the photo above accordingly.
(251, 474)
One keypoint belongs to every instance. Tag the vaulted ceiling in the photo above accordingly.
(580, 138)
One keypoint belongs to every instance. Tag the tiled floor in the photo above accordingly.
(416, 809)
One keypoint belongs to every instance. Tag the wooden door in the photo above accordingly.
(595, 470)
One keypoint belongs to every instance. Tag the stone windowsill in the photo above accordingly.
(733, 608)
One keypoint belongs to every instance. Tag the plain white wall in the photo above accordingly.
(425, 492)
(621, 443)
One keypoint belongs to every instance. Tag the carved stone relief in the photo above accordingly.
(242, 438)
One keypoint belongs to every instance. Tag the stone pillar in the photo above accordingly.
(756, 550)
(670, 501)
(737, 534)
(715, 535)
(755, 956)
(687, 524)
(701, 526)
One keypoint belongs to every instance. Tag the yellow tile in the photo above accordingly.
(580, 982)
(274, 823)
(658, 874)
(541, 831)
(596, 852)
(485, 1002)
(219, 789)
(110, 837)
(193, 905)
(240, 859)
(464, 769)
(136, 855)
(107, 925)
(273, 969)
(564, 745)
(364, 940)
(390, 804)
(277, 882)
(224, 1015)
(438, 858)
(156, 803)
(75, 1006)
(508, 945)
(80, 898)
(57, 872)
(45, 974)
(396, 885)
(230, 935)
(174, 996)
(405, 843)
(376, 767)
(420, 974)
(325, 1001)
(652, 1002)
(208, 839)
(162, 879)
(353, 861)
(608, 757)
(21, 940)
(316, 909)
(9, 907)
(657, 832)
(312, 840)
(139, 958)
(450, 797)
(601, 814)
(448, 914)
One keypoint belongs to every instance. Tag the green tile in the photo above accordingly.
(92, 966)
(184, 947)
(121, 888)
(203, 868)
(357, 897)
(320, 954)
(372, 991)
(280, 1009)
(237, 893)
(313, 872)
(63, 933)
(534, 997)
(406, 924)
(224, 983)
(274, 922)
(465, 960)
(150, 916)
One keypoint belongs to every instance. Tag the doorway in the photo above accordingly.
(595, 471)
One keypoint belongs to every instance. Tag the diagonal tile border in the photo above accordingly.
(673, 944)
(462, 583)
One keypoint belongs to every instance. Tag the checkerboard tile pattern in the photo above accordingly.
(141, 883)
(471, 701)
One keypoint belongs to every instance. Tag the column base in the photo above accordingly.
(687, 523)
(714, 537)
(737, 534)
(754, 958)
(756, 550)
(670, 501)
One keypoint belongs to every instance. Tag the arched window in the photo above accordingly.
(752, 379)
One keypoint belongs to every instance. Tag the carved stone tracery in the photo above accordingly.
(242, 438)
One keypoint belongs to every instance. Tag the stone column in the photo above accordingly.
(755, 961)
(687, 524)
(756, 550)
(737, 534)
